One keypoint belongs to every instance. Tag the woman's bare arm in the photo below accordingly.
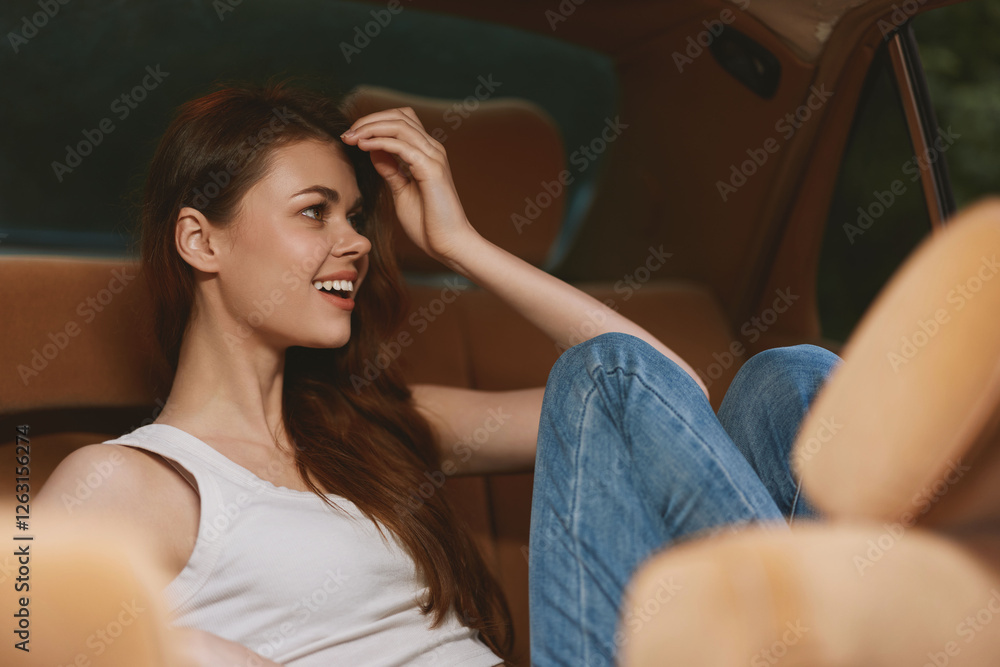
(429, 210)
(415, 167)
(554, 306)
(481, 431)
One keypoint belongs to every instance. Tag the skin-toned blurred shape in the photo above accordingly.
(906, 572)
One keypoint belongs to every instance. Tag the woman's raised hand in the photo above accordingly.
(428, 208)
(415, 166)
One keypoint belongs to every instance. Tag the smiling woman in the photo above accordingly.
(279, 437)
(276, 492)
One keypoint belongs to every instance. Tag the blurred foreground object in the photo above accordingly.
(91, 601)
(907, 569)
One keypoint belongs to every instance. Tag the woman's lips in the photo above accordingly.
(339, 301)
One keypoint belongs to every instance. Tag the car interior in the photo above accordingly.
(691, 164)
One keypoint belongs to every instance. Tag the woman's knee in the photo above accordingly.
(608, 352)
(622, 386)
(599, 381)
(575, 376)
(799, 369)
(605, 347)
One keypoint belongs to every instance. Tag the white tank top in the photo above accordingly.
(277, 570)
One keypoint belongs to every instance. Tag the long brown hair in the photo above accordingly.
(371, 447)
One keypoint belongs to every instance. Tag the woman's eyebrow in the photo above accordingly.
(329, 194)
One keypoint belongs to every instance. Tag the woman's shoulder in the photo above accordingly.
(126, 490)
(127, 486)
(110, 473)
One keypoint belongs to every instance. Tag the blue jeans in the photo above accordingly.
(632, 459)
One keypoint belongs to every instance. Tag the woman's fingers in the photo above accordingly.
(408, 111)
(399, 123)
(397, 133)
(400, 119)
(387, 114)
(420, 163)
(398, 130)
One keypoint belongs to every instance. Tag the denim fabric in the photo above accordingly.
(632, 458)
(763, 409)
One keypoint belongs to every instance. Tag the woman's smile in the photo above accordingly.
(338, 288)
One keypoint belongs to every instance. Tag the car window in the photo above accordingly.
(878, 213)
(960, 53)
(92, 85)
(871, 229)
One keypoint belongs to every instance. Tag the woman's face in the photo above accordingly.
(296, 227)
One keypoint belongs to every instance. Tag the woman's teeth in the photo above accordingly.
(334, 285)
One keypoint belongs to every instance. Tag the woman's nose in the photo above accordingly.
(350, 242)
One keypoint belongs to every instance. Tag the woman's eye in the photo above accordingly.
(317, 212)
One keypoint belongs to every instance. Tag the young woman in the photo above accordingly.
(273, 492)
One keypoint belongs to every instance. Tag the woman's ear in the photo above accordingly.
(197, 240)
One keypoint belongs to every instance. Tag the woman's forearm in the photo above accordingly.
(431, 215)
(554, 306)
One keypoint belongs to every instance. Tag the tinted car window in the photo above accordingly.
(91, 85)
(960, 53)
(878, 213)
